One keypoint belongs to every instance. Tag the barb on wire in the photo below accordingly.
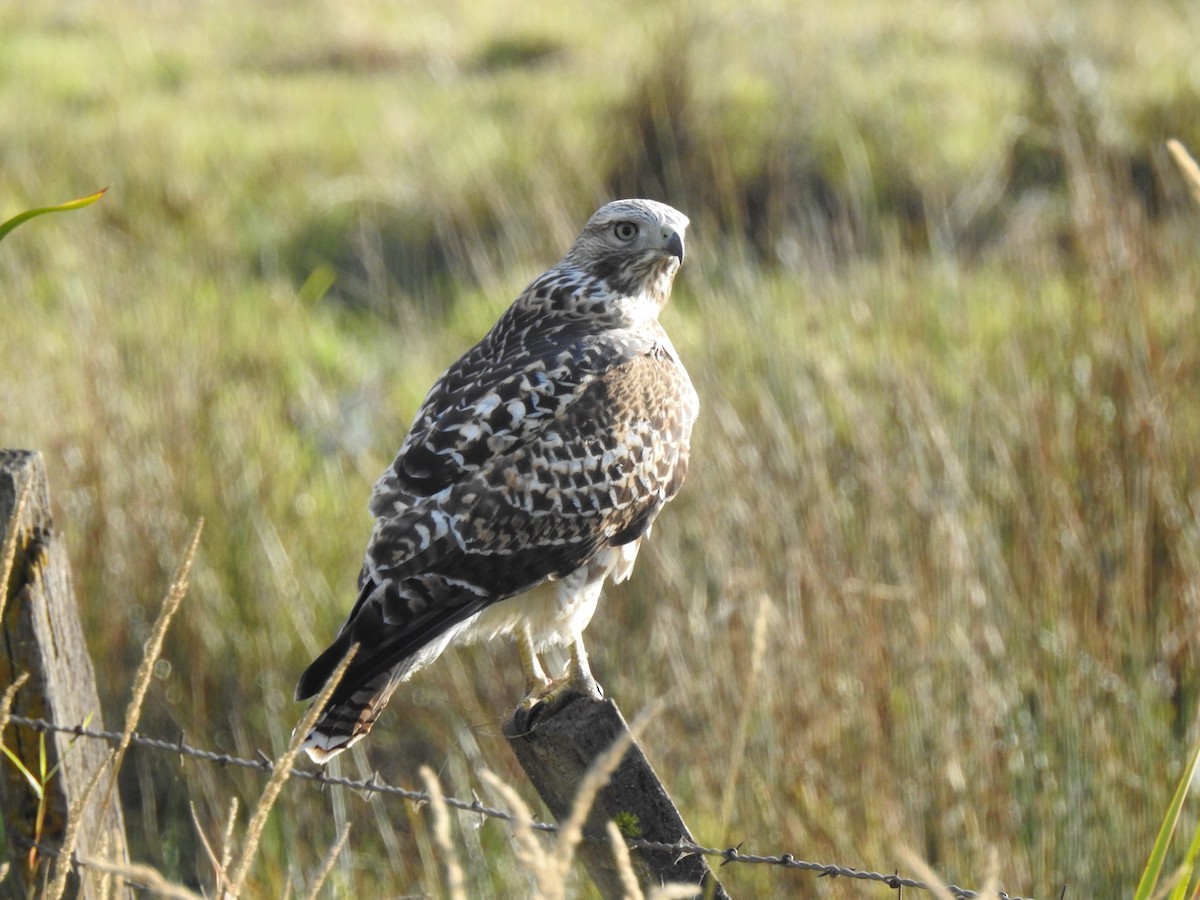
(373, 786)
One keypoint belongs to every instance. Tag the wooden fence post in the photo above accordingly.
(558, 751)
(42, 636)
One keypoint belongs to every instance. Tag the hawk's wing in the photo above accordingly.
(496, 397)
(594, 473)
(611, 455)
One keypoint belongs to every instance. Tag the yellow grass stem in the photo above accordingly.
(153, 648)
(923, 871)
(10, 547)
(455, 881)
(530, 854)
(674, 891)
(6, 702)
(279, 775)
(1187, 166)
(322, 875)
(220, 865)
(66, 850)
(737, 755)
(156, 884)
(629, 882)
(227, 838)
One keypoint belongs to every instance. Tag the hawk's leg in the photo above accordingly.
(552, 696)
(531, 667)
(579, 679)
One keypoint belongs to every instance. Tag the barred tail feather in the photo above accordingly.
(388, 654)
(347, 720)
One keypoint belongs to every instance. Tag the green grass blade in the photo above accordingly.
(21, 218)
(24, 770)
(1187, 869)
(1185, 887)
(1158, 855)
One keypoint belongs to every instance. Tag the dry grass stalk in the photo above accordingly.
(675, 891)
(220, 866)
(145, 672)
(1187, 165)
(327, 863)
(103, 884)
(227, 838)
(62, 868)
(156, 885)
(633, 890)
(279, 774)
(530, 853)
(758, 645)
(10, 548)
(551, 868)
(991, 879)
(455, 882)
(10, 695)
(921, 870)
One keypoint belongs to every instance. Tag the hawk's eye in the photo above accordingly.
(625, 231)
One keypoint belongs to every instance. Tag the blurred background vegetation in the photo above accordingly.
(940, 305)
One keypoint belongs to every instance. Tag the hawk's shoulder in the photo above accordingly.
(504, 390)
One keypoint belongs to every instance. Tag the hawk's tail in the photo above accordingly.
(355, 704)
(344, 722)
(388, 652)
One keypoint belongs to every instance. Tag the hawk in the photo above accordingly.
(544, 454)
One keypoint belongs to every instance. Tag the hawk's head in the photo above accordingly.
(634, 245)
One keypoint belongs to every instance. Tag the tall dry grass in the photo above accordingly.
(939, 304)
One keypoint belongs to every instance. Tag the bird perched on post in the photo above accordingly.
(544, 454)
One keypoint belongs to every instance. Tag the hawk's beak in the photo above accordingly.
(675, 245)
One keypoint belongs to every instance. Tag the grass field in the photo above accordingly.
(940, 306)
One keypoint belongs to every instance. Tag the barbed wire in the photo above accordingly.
(373, 785)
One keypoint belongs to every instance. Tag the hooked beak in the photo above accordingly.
(674, 245)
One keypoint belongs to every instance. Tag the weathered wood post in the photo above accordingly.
(557, 752)
(42, 636)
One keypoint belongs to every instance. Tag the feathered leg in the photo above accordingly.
(531, 666)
